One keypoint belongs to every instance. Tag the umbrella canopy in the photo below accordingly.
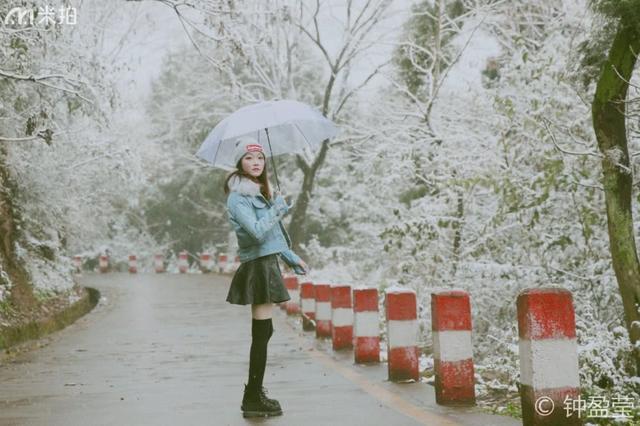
(282, 127)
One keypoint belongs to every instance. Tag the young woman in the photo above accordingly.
(255, 215)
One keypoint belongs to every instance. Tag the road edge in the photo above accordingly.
(12, 336)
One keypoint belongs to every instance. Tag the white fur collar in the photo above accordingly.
(244, 186)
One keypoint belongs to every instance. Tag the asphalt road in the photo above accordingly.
(168, 349)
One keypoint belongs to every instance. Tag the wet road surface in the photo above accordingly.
(167, 349)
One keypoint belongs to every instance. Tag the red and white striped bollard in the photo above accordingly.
(222, 262)
(77, 264)
(452, 349)
(402, 334)
(308, 305)
(133, 264)
(205, 262)
(366, 325)
(548, 357)
(159, 263)
(293, 305)
(341, 317)
(323, 310)
(104, 263)
(183, 263)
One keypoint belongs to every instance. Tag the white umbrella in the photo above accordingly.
(285, 126)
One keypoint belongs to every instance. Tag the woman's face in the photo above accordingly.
(253, 163)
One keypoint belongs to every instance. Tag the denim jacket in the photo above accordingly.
(257, 224)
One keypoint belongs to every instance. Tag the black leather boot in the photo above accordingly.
(253, 405)
(270, 401)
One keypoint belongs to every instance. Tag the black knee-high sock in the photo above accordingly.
(260, 334)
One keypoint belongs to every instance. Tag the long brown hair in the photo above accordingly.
(262, 180)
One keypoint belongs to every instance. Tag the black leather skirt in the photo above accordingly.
(258, 281)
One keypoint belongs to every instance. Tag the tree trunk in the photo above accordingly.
(608, 113)
(296, 230)
(457, 227)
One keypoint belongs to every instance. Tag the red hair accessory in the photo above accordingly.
(252, 147)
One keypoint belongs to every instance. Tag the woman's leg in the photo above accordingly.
(262, 311)
(261, 331)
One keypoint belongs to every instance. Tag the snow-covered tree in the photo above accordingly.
(69, 176)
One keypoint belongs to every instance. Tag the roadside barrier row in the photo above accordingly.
(350, 317)
(206, 262)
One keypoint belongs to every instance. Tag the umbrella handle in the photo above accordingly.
(273, 162)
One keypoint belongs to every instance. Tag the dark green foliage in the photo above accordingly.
(593, 52)
(413, 193)
(418, 233)
(422, 29)
(334, 232)
(628, 11)
(181, 213)
(46, 251)
(491, 73)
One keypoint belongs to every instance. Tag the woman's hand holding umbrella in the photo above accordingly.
(288, 199)
(280, 204)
